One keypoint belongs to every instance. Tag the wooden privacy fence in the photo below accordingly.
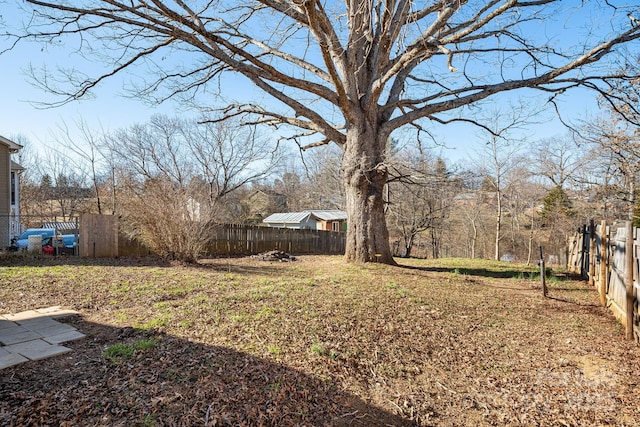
(608, 257)
(231, 239)
(100, 237)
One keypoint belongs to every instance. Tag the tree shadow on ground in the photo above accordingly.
(129, 377)
(494, 274)
(480, 272)
(598, 309)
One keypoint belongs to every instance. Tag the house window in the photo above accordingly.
(335, 226)
(13, 188)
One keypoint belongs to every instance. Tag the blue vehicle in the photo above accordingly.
(22, 241)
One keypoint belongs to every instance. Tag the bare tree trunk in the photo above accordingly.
(113, 192)
(498, 225)
(435, 244)
(530, 249)
(364, 179)
(96, 190)
(632, 197)
(408, 246)
(474, 239)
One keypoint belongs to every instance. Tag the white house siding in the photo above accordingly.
(5, 194)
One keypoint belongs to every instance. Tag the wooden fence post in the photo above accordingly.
(629, 280)
(604, 262)
(592, 253)
(584, 249)
(543, 274)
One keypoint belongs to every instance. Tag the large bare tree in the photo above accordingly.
(349, 72)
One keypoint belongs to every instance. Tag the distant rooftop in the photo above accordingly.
(67, 225)
(287, 217)
(297, 217)
(329, 215)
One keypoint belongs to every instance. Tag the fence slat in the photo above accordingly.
(615, 272)
(233, 239)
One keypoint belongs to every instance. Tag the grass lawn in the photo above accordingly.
(318, 342)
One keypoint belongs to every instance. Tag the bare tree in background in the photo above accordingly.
(617, 136)
(522, 197)
(618, 140)
(176, 174)
(499, 157)
(322, 170)
(471, 206)
(559, 160)
(63, 187)
(368, 67)
(564, 166)
(420, 196)
(293, 188)
(88, 151)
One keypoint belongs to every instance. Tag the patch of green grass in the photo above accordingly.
(122, 317)
(179, 290)
(418, 300)
(149, 288)
(145, 344)
(318, 349)
(240, 318)
(402, 292)
(257, 296)
(119, 352)
(201, 299)
(321, 350)
(185, 324)
(274, 349)
(266, 312)
(555, 279)
(150, 420)
(121, 288)
(157, 322)
(276, 386)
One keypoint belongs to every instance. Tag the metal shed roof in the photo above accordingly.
(68, 225)
(329, 215)
(298, 217)
(287, 218)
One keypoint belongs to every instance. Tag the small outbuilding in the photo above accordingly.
(328, 220)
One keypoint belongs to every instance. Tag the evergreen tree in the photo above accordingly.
(556, 203)
(45, 182)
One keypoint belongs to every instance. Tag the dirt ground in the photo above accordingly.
(317, 342)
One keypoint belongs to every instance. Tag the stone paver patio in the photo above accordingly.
(34, 335)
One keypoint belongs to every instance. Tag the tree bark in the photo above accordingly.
(435, 244)
(474, 238)
(365, 176)
(408, 246)
(498, 226)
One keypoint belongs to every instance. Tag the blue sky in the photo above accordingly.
(21, 113)
(109, 109)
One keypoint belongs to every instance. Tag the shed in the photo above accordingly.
(330, 220)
